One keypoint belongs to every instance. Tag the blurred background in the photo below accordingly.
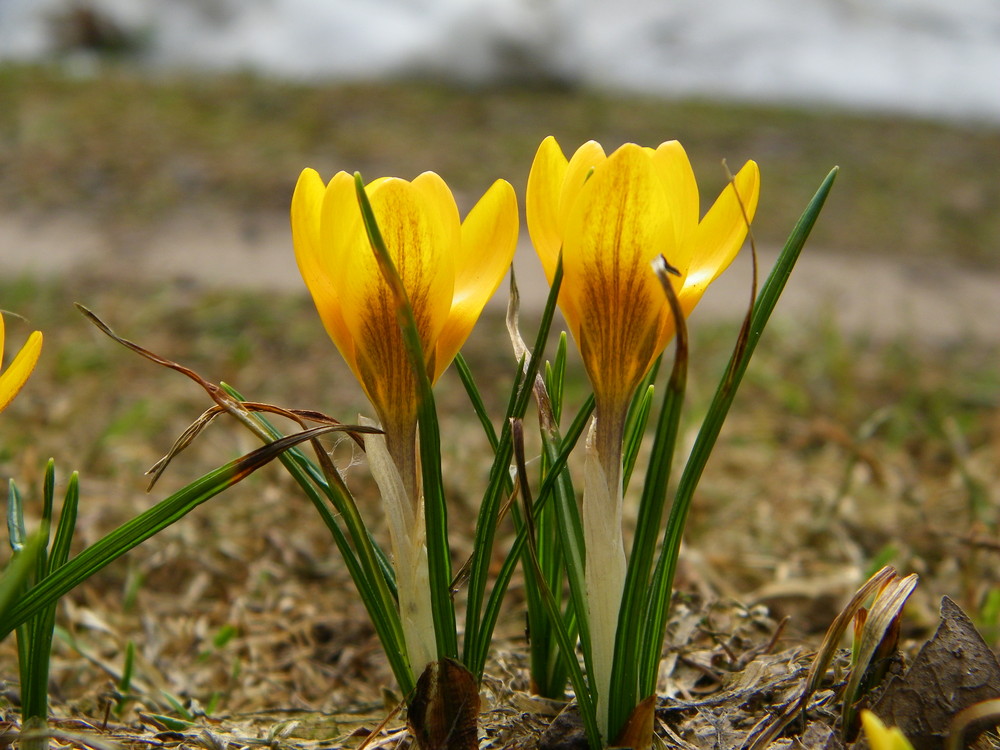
(171, 133)
(929, 57)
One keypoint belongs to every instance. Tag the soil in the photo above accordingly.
(878, 296)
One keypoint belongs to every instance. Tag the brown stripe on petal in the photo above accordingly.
(382, 360)
(413, 241)
(619, 304)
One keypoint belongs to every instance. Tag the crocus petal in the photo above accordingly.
(881, 737)
(584, 160)
(439, 205)
(489, 239)
(706, 252)
(545, 182)
(315, 259)
(422, 232)
(674, 170)
(420, 247)
(720, 235)
(16, 375)
(612, 300)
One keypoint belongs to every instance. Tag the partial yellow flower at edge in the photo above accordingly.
(449, 269)
(881, 737)
(611, 216)
(16, 375)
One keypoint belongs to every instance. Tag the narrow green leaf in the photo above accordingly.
(584, 695)
(128, 668)
(369, 569)
(711, 426)
(63, 538)
(492, 609)
(142, 527)
(48, 494)
(635, 430)
(175, 703)
(17, 571)
(476, 399)
(569, 528)
(555, 378)
(16, 532)
(172, 723)
(479, 624)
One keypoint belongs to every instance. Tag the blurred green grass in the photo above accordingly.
(128, 148)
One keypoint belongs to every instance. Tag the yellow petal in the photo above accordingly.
(581, 164)
(16, 375)
(881, 737)
(421, 229)
(421, 247)
(674, 169)
(545, 181)
(315, 259)
(721, 233)
(489, 239)
(618, 224)
(440, 206)
(706, 252)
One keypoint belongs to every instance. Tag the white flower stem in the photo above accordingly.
(393, 465)
(605, 557)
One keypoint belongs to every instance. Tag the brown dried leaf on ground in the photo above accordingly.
(953, 670)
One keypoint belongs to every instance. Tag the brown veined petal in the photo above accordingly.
(417, 244)
(489, 239)
(674, 169)
(613, 300)
(545, 181)
(423, 236)
(314, 258)
(720, 235)
(16, 375)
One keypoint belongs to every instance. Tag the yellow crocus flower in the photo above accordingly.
(449, 270)
(16, 375)
(610, 217)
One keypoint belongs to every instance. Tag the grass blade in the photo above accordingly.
(763, 307)
(476, 399)
(584, 695)
(142, 527)
(479, 623)
(370, 570)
